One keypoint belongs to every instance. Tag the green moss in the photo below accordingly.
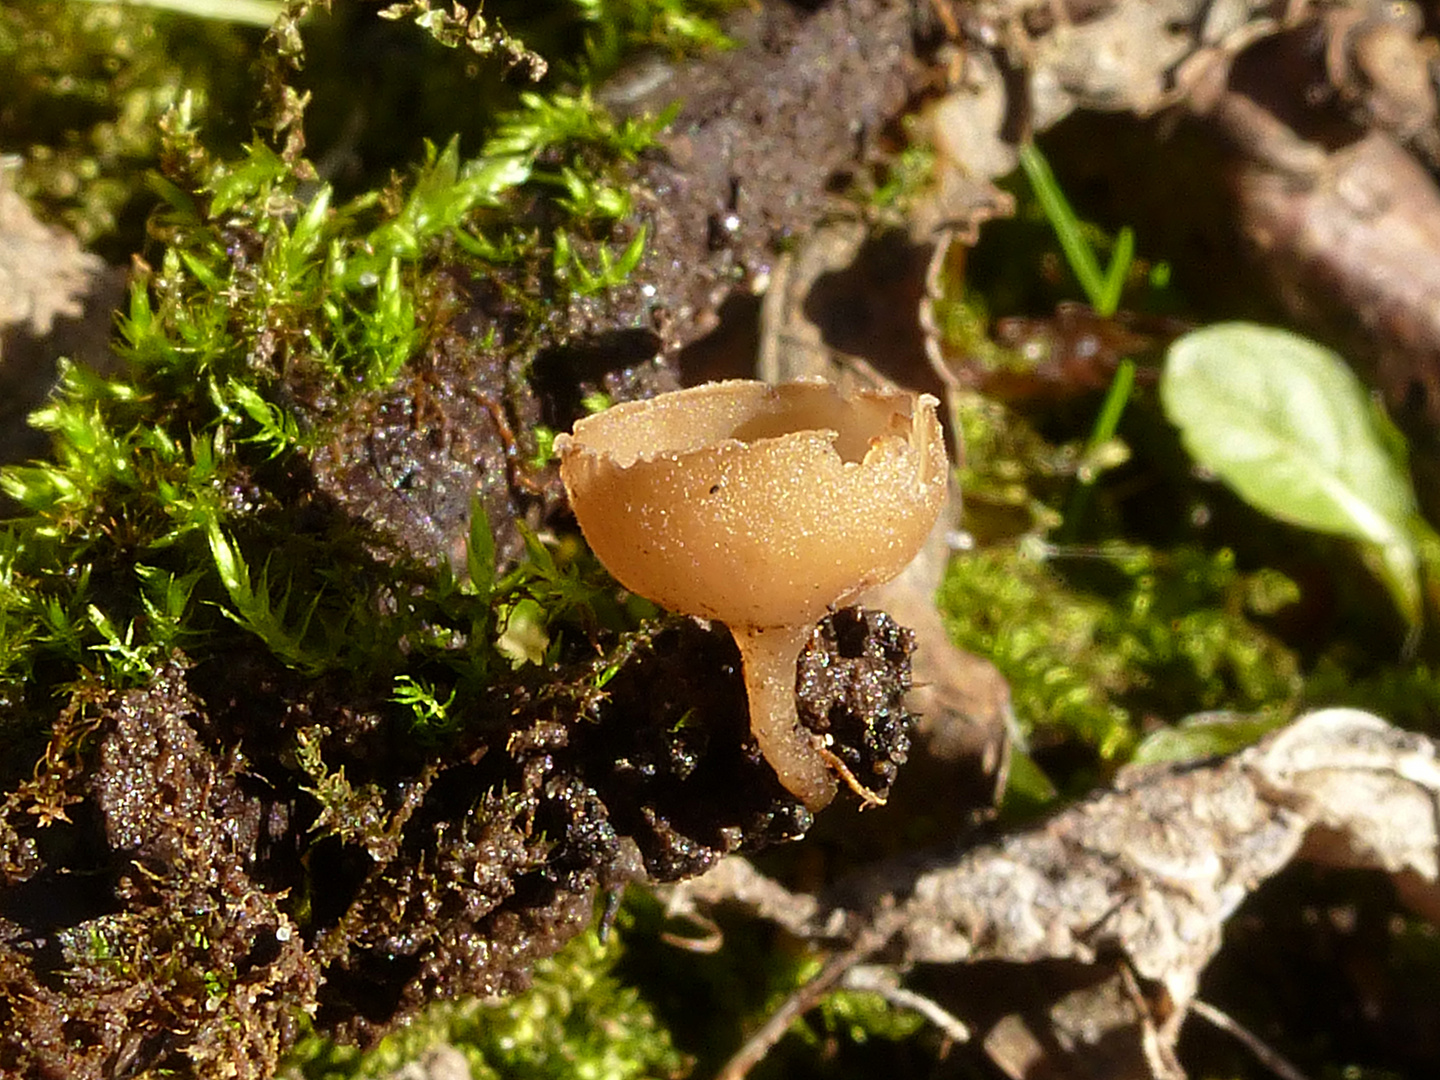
(1110, 637)
(171, 515)
(83, 85)
(711, 1001)
(1099, 646)
(174, 514)
(863, 1016)
(577, 1020)
(1404, 694)
(1011, 476)
(166, 518)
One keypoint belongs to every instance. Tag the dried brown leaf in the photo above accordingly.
(1147, 872)
(43, 270)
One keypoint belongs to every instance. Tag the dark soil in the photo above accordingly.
(197, 886)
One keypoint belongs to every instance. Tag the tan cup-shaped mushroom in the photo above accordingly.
(760, 506)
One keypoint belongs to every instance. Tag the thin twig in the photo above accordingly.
(706, 945)
(805, 998)
(1271, 1059)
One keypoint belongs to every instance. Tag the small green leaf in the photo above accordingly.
(480, 552)
(630, 258)
(261, 169)
(1108, 303)
(253, 606)
(203, 274)
(310, 228)
(544, 446)
(1205, 735)
(1286, 424)
(1116, 398)
(1068, 229)
(596, 401)
(430, 712)
(1398, 565)
(1026, 785)
(278, 429)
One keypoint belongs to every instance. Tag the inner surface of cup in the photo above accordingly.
(744, 411)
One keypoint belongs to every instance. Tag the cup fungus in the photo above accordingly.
(760, 506)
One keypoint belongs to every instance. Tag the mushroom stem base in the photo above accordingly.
(770, 656)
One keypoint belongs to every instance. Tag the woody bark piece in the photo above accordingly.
(1147, 872)
(1354, 250)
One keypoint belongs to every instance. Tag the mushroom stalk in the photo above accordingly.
(770, 656)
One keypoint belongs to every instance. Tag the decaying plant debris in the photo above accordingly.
(43, 271)
(1134, 885)
(181, 888)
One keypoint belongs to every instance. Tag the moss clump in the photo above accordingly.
(83, 86)
(1102, 641)
(711, 1001)
(577, 1019)
(275, 323)
(1407, 695)
(1098, 657)
(301, 529)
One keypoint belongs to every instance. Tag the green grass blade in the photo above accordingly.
(1068, 231)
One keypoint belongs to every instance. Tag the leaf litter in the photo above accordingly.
(1134, 884)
